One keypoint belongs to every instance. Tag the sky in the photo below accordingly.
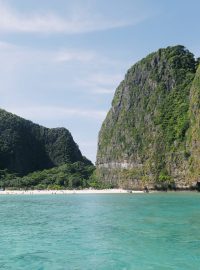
(61, 60)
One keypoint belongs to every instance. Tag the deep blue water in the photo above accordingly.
(102, 232)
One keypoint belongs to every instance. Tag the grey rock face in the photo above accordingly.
(144, 139)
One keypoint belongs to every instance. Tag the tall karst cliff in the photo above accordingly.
(194, 131)
(26, 147)
(151, 135)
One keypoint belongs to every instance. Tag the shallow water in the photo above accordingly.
(102, 232)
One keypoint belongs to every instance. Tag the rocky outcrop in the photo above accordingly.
(150, 136)
(26, 147)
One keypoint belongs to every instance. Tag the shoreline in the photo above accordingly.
(86, 191)
(61, 192)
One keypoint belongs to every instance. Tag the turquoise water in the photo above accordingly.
(102, 232)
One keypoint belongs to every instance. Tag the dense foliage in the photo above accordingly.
(68, 176)
(26, 147)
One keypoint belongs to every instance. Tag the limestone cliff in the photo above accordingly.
(151, 135)
(193, 142)
(26, 147)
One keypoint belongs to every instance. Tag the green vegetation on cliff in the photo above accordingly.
(68, 176)
(32, 156)
(26, 147)
(194, 131)
(144, 139)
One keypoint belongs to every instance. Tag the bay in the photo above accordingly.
(102, 232)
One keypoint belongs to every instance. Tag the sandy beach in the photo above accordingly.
(84, 191)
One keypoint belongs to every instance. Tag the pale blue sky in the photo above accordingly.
(61, 60)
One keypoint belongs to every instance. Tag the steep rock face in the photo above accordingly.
(146, 137)
(27, 147)
(193, 142)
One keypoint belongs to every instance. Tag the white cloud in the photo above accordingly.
(105, 79)
(100, 83)
(13, 56)
(11, 51)
(102, 90)
(42, 72)
(80, 22)
(54, 112)
(73, 55)
(6, 45)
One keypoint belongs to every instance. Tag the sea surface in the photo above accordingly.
(100, 232)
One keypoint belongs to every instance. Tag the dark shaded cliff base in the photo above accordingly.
(151, 135)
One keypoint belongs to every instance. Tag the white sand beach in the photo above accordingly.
(84, 191)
